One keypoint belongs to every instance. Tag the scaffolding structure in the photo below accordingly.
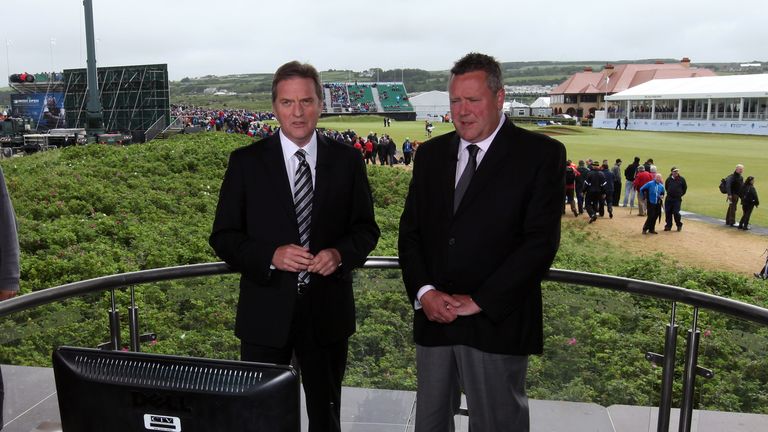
(133, 97)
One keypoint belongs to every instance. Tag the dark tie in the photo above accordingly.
(302, 200)
(466, 176)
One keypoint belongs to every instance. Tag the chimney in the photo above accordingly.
(588, 69)
(659, 62)
(686, 62)
(608, 69)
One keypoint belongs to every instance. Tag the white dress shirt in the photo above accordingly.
(292, 162)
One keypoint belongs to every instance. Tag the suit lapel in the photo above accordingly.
(494, 160)
(323, 172)
(448, 175)
(274, 166)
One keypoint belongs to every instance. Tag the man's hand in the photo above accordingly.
(439, 306)
(292, 258)
(325, 262)
(6, 294)
(468, 306)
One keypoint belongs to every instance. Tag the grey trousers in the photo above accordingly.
(494, 385)
(730, 215)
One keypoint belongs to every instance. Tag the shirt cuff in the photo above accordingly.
(423, 290)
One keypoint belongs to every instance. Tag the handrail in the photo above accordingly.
(651, 289)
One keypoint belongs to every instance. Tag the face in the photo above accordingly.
(297, 108)
(474, 108)
(739, 170)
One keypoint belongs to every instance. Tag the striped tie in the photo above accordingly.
(302, 200)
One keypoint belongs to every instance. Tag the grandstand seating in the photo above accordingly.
(339, 95)
(394, 97)
(361, 98)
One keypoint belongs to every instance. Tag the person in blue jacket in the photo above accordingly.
(654, 189)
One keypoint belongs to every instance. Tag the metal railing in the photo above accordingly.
(698, 300)
(156, 129)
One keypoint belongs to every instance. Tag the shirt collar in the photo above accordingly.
(486, 143)
(290, 148)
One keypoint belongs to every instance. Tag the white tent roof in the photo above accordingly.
(542, 102)
(698, 88)
(430, 98)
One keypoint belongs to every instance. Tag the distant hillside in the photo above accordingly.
(252, 90)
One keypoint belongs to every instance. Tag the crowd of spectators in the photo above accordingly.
(339, 96)
(361, 98)
(393, 97)
(239, 121)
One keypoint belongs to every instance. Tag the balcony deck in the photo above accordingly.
(31, 406)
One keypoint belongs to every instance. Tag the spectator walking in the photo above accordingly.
(609, 185)
(676, 188)
(733, 184)
(594, 190)
(407, 151)
(629, 175)
(583, 170)
(616, 170)
(641, 179)
(391, 151)
(383, 150)
(749, 201)
(570, 186)
(369, 148)
(654, 190)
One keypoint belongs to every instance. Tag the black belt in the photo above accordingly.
(302, 288)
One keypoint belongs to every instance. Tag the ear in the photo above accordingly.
(500, 99)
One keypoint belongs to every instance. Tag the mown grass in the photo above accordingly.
(703, 159)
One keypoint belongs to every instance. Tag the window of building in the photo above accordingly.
(694, 109)
(666, 109)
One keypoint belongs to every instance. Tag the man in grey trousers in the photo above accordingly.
(476, 239)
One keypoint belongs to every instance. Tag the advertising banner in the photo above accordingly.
(45, 110)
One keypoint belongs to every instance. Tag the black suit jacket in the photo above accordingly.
(498, 245)
(255, 215)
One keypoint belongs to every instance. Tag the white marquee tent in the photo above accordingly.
(430, 104)
(729, 86)
(719, 104)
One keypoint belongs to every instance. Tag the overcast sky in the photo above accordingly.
(197, 38)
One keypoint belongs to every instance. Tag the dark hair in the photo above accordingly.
(749, 180)
(295, 69)
(473, 62)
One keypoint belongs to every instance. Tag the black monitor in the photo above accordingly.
(126, 391)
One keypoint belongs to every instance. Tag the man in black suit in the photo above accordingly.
(295, 216)
(480, 228)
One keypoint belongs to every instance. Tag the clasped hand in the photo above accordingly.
(445, 308)
(294, 258)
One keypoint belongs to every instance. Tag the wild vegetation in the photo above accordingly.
(99, 210)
